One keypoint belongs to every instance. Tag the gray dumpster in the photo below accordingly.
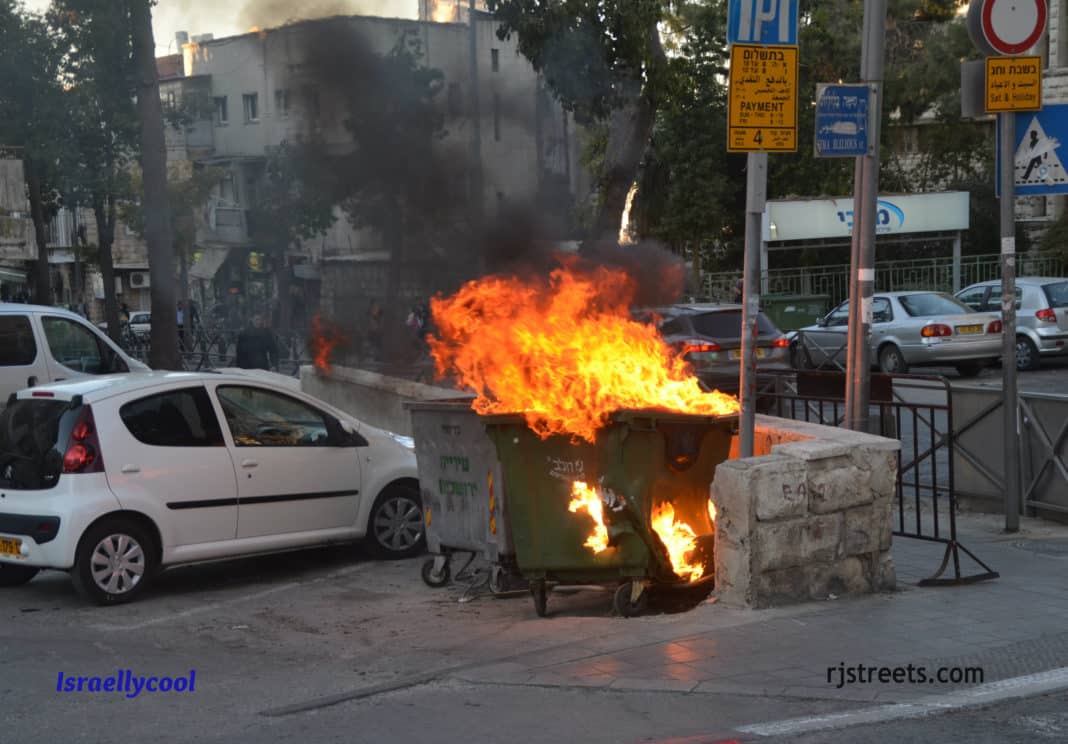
(464, 500)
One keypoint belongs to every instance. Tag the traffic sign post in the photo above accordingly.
(1013, 84)
(762, 116)
(842, 120)
(1008, 27)
(762, 99)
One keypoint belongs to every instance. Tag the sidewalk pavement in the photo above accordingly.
(1009, 627)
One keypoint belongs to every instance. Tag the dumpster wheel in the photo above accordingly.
(435, 579)
(540, 592)
(630, 599)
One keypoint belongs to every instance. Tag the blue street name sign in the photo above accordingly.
(765, 22)
(841, 121)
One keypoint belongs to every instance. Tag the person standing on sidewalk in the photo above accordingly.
(257, 348)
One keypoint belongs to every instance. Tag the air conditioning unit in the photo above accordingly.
(139, 279)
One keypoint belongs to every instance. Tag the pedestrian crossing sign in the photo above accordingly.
(1041, 152)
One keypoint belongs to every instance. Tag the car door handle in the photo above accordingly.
(131, 469)
(249, 463)
(31, 381)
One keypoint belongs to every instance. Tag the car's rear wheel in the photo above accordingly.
(116, 560)
(892, 361)
(395, 528)
(1026, 354)
(16, 575)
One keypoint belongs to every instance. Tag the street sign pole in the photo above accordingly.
(756, 197)
(1007, 144)
(866, 194)
(761, 116)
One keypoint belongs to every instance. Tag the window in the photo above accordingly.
(77, 347)
(453, 102)
(496, 117)
(281, 102)
(932, 303)
(1057, 294)
(221, 114)
(176, 418)
(17, 347)
(839, 316)
(495, 60)
(881, 312)
(264, 418)
(311, 101)
(993, 304)
(974, 297)
(252, 107)
(728, 324)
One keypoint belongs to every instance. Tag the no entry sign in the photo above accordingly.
(1007, 27)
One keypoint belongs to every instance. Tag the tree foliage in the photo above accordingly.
(33, 109)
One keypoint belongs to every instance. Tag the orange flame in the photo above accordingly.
(325, 338)
(712, 510)
(443, 11)
(588, 498)
(563, 350)
(680, 541)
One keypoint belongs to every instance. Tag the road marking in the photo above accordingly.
(1028, 685)
(225, 603)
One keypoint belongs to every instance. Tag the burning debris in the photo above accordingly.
(587, 498)
(325, 339)
(562, 350)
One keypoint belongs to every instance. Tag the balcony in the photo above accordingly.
(222, 224)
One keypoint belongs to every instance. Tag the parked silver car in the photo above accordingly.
(909, 329)
(1041, 314)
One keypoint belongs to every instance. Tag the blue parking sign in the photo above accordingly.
(765, 22)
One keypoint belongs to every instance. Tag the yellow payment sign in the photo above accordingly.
(762, 107)
(1013, 84)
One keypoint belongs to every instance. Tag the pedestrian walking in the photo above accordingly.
(257, 347)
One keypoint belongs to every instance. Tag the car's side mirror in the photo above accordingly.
(347, 436)
(822, 322)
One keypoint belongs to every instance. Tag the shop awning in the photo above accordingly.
(12, 275)
(207, 266)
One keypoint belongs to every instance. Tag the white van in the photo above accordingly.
(41, 344)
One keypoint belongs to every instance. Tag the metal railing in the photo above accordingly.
(890, 276)
(914, 409)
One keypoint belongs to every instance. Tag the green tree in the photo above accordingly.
(98, 74)
(688, 193)
(295, 201)
(604, 60)
(33, 107)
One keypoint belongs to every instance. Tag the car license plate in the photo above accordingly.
(969, 329)
(10, 546)
(735, 354)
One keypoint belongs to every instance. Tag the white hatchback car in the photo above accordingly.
(112, 478)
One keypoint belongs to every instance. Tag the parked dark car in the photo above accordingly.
(709, 337)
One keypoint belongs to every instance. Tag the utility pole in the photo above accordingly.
(865, 195)
(756, 197)
(1006, 142)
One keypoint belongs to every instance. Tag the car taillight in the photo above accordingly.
(696, 345)
(994, 327)
(936, 330)
(781, 343)
(1046, 314)
(83, 453)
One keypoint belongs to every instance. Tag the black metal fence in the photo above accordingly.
(917, 410)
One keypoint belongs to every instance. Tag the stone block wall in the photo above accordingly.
(809, 519)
